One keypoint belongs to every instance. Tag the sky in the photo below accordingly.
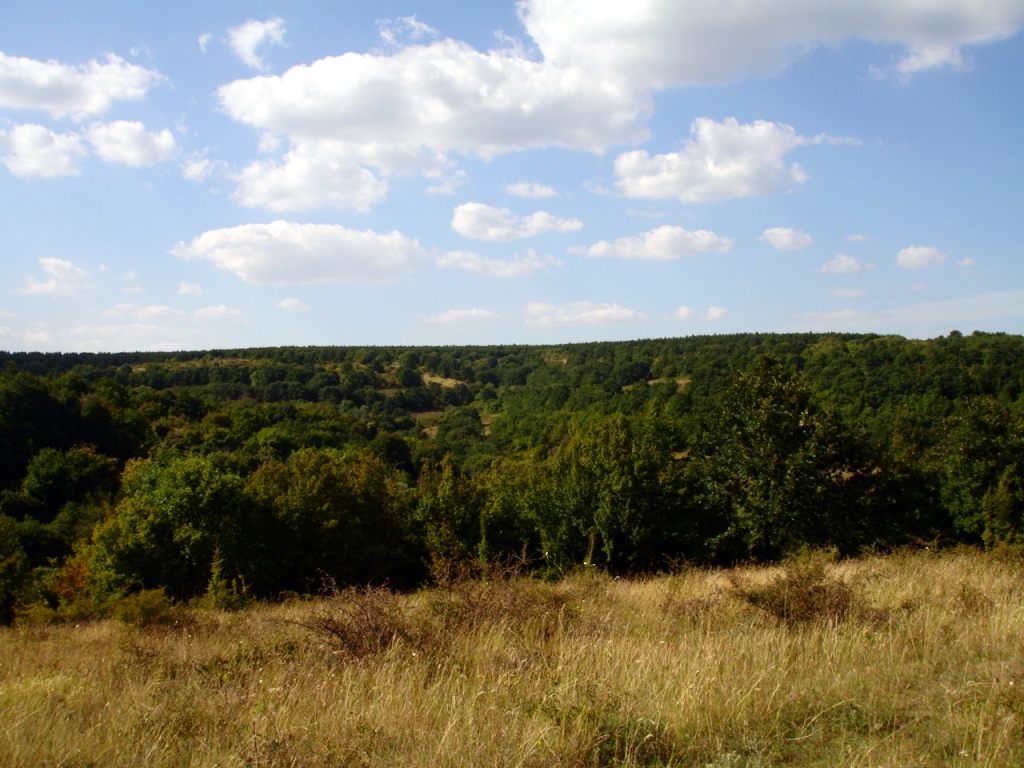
(234, 174)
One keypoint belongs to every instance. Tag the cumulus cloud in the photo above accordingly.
(65, 90)
(291, 304)
(34, 150)
(663, 43)
(519, 266)
(530, 190)
(856, 238)
(719, 161)
(663, 243)
(129, 143)
(247, 39)
(578, 313)
(371, 115)
(63, 279)
(313, 174)
(917, 256)
(484, 222)
(843, 264)
(459, 316)
(286, 253)
(786, 239)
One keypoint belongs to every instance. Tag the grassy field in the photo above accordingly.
(906, 660)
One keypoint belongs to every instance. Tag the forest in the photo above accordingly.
(257, 474)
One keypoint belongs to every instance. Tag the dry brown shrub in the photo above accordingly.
(803, 593)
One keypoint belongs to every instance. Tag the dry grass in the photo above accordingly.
(684, 670)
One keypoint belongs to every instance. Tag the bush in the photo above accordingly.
(803, 593)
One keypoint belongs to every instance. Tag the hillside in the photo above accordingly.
(272, 470)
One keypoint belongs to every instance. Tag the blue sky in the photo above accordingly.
(215, 175)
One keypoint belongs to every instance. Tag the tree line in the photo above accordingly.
(267, 472)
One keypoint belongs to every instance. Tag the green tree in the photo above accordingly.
(982, 459)
(774, 471)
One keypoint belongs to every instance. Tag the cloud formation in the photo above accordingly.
(786, 239)
(484, 222)
(247, 39)
(459, 316)
(918, 256)
(64, 279)
(64, 90)
(36, 151)
(689, 313)
(578, 313)
(370, 116)
(664, 43)
(519, 266)
(719, 161)
(843, 264)
(530, 190)
(129, 143)
(663, 244)
(286, 253)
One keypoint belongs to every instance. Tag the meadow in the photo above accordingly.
(909, 659)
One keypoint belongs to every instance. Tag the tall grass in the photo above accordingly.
(922, 666)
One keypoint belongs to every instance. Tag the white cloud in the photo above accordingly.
(312, 175)
(459, 316)
(64, 90)
(33, 150)
(246, 39)
(663, 43)
(396, 32)
(286, 253)
(720, 161)
(856, 238)
(663, 243)
(578, 313)
(129, 143)
(292, 304)
(689, 313)
(519, 266)
(65, 279)
(189, 289)
(968, 262)
(848, 293)
(447, 186)
(204, 40)
(371, 115)
(786, 239)
(917, 256)
(217, 312)
(843, 264)
(530, 189)
(484, 222)
(136, 312)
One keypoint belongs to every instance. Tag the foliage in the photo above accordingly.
(291, 465)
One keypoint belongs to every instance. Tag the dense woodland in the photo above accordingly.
(256, 473)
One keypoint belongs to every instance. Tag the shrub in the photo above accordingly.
(802, 593)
